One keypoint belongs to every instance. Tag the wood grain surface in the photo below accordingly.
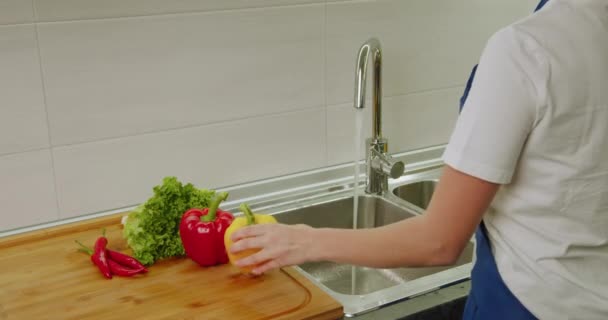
(43, 276)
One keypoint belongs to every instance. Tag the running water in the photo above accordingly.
(358, 143)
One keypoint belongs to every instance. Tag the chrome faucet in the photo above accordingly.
(379, 163)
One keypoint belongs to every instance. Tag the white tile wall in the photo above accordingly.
(427, 44)
(117, 77)
(22, 115)
(216, 92)
(115, 173)
(53, 10)
(27, 193)
(16, 11)
(409, 122)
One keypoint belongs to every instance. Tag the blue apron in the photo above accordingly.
(489, 297)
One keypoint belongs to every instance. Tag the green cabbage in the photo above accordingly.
(152, 229)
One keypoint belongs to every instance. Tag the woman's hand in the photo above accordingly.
(280, 245)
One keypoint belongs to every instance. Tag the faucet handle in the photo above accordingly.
(385, 163)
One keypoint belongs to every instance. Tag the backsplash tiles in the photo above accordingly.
(121, 172)
(22, 116)
(118, 77)
(99, 100)
(27, 194)
(55, 10)
(427, 44)
(16, 11)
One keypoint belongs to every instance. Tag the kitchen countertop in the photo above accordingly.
(43, 276)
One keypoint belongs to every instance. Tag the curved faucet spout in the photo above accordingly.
(370, 46)
(380, 165)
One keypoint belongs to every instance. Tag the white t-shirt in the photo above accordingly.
(536, 121)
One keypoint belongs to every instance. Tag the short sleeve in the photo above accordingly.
(500, 110)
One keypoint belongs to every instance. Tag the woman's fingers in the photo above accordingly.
(279, 245)
(257, 258)
(267, 266)
(251, 231)
(247, 243)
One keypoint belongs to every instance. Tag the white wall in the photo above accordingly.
(100, 99)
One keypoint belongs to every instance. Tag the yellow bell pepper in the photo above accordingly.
(248, 219)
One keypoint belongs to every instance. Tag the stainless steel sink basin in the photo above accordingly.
(373, 212)
(361, 289)
(351, 280)
(417, 193)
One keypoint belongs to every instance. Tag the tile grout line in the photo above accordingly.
(46, 111)
(423, 91)
(14, 153)
(178, 13)
(324, 50)
(352, 1)
(16, 24)
(34, 11)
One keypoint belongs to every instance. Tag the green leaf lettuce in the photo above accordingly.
(152, 229)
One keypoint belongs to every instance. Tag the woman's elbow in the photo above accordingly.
(445, 254)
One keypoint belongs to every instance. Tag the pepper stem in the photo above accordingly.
(84, 248)
(248, 214)
(215, 203)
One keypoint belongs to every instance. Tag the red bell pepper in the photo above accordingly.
(202, 233)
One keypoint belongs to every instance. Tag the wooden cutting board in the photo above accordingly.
(43, 276)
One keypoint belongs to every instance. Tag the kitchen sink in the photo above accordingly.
(417, 193)
(361, 289)
(324, 199)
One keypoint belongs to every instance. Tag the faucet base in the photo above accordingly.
(377, 182)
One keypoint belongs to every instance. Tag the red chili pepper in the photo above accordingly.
(98, 257)
(202, 233)
(123, 271)
(118, 263)
(126, 260)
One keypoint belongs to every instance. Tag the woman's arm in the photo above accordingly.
(434, 238)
